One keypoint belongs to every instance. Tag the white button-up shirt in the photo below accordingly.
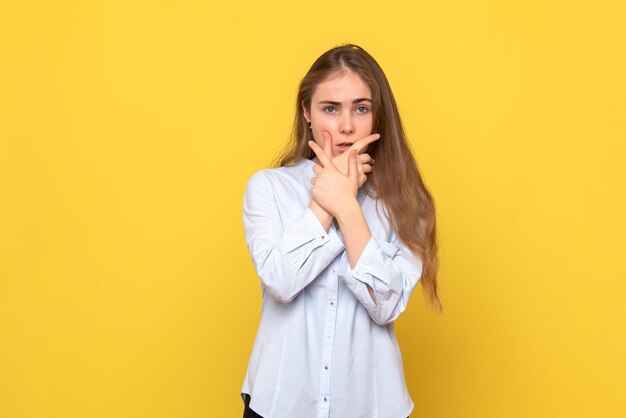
(323, 347)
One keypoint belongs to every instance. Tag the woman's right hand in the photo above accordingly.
(364, 161)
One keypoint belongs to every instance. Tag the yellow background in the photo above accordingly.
(128, 131)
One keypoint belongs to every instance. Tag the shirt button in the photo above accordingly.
(333, 271)
(325, 399)
(326, 366)
(332, 302)
(323, 237)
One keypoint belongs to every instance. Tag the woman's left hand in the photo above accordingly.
(332, 190)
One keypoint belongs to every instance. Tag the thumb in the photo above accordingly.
(353, 170)
(328, 144)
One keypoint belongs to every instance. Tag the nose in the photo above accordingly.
(346, 127)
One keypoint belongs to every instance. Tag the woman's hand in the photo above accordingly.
(334, 191)
(364, 161)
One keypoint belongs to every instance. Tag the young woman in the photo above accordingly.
(340, 233)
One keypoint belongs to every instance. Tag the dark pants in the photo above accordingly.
(249, 413)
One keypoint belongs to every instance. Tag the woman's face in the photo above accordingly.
(342, 106)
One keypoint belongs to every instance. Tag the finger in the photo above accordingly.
(360, 144)
(353, 169)
(320, 154)
(317, 169)
(313, 180)
(366, 168)
(328, 144)
(365, 159)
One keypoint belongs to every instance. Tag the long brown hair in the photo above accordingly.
(395, 179)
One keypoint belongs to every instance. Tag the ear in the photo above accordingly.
(307, 114)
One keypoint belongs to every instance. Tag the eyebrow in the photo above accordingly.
(355, 101)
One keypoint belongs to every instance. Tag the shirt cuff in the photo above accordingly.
(362, 265)
(372, 261)
(307, 228)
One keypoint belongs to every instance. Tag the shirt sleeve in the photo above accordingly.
(391, 270)
(286, 257)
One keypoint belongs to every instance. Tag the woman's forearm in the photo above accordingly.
(322, 215)
(355, 231)
(356, 234)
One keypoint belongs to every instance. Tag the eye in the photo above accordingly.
(362, 109)
(329, 109)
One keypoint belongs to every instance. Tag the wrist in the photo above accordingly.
(316, 207)
(323, 216)
(348, 212)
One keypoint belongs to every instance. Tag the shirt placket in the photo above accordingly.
(329, 338)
